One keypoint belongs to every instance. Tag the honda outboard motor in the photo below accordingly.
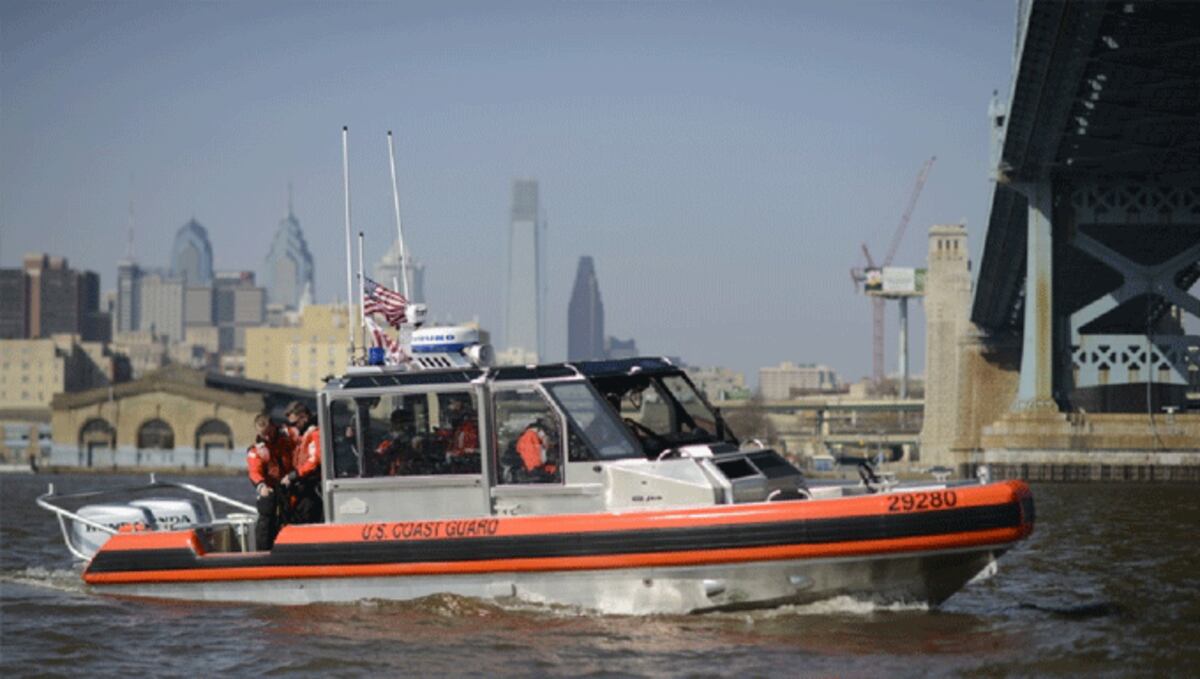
(148, 514)
(89, 539)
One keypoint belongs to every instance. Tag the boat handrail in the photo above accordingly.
(62, 513)
(154, 483)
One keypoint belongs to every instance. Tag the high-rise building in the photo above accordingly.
(46, 297)
(387, 272)
(191, 255)
(162, 306)
(585, 315)
(95, 322)
(13, 304)
(289, 264)
(304, 354)
(198, 307)
(523, 310)
(129, 296)
(54, 300)
(32, 371)
(237, 304)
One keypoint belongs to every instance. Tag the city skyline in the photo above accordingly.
(722, 166)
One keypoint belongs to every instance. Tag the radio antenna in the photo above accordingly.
(403, 254)
(362, 294)
(349, 259)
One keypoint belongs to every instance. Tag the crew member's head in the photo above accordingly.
(299, 415)
(264, 427)
(458, 408)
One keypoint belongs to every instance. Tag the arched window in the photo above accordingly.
(96, 432)
(156, 435)
(214, 433)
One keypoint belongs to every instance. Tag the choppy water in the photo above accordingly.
(1109, 585)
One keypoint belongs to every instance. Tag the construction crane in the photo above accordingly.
(860, 275)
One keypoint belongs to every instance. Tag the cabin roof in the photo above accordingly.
(451, 376)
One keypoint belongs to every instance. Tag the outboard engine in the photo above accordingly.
(173, 513)
(89, 539)
(149, 513)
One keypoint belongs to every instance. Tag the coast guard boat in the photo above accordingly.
(631, 495)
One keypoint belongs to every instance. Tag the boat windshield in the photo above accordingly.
(663, 411)
(602, 434)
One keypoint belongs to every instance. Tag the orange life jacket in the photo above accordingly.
(465, 439)
(533, 452)
(268, 462)
(306, 458)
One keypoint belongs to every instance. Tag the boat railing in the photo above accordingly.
(47, 502)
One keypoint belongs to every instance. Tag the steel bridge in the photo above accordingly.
(1093, 241)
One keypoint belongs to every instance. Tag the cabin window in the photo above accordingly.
(529, 438)
(425, 434)
(595, 431)
(696, 413)
(653, 411)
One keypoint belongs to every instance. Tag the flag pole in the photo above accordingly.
(349, 260)
(399, 227)
(362, 302)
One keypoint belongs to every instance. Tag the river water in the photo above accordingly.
(1108, 585)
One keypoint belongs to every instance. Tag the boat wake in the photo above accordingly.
(457, 606)
(61, 579)
(444, 605)
(839, 605)
(987, 573)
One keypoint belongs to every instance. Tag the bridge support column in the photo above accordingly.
(1035, 392)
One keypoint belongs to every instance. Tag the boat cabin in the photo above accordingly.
(468, 441)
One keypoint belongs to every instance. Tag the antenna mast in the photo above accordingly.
(362, 294)
(129, 240)
(349, 259)
(403, 254)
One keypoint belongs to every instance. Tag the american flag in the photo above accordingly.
(379, 299)
(392, 353)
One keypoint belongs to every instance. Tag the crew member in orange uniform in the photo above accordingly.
(268, 462)
(539, 454)
(305, 477)
(464, 428)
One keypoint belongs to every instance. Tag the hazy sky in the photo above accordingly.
(721, 161)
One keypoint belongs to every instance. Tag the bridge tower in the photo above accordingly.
(947, 304)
